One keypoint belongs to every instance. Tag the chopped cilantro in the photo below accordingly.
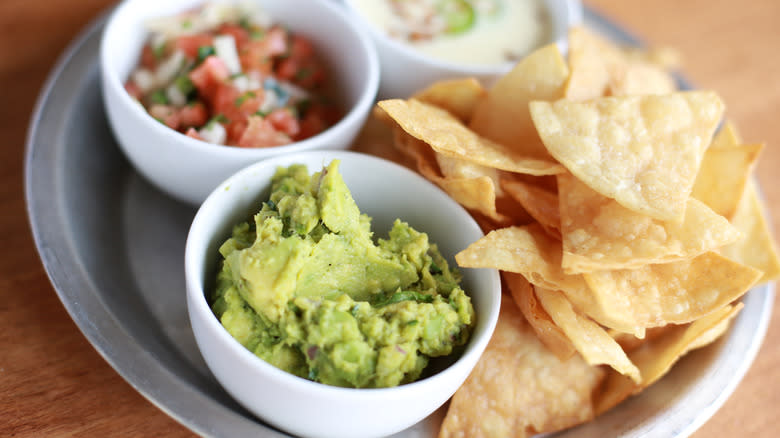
(159, 97)
(204, 52)
(159, 51)
(242, 98)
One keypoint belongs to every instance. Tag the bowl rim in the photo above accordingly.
(194, 262)
(354, 114)
(558, 36)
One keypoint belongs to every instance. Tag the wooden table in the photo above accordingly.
(52, 382)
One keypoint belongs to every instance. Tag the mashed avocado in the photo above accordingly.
(305, 287)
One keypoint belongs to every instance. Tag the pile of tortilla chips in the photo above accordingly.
(625, 227)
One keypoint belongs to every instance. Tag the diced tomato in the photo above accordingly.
(305, 72)
(283, 120)
(189, 44)
(194, 114)
(167, 114)
(258, 54)
(133, 90)
(260, 133)
(192, 132)
(235, 129)
(301, 47)
(317, 119)
(224, 102)
(240, 35)
(148, 59)
(209, 75)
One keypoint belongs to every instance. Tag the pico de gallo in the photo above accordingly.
(228, 74)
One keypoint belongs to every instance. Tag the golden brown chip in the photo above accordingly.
(503, 117)
(541, 204)
(600, 234)
(599, 67)
(590, 339)
(446, 135)
(723, 174)
(642, 151)
(549, 333)
(458, 96)
(757, 248)
(728, 135)
(505, 397)
(656, 357)
(590, 57)
(636, 78)
(525, 250)
(667, 58)
(677, 292)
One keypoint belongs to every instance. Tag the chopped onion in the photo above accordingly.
(225, 46)
(169, 68)
(145, 80)
(213, 132)
(175, 96)
(295, 92)
(270, 102)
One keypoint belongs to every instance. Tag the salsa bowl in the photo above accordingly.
(188, 168)
(384, 191)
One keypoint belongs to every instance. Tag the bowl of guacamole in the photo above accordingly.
(323, 296)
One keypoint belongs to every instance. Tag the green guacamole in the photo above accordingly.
(305, 287)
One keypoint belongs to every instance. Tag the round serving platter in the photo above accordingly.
(112, 246)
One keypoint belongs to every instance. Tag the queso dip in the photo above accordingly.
(463, 31)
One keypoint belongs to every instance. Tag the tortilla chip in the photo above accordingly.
(591, 340)
(505, 397)
(676, 293)
(600, 234)
(723, 174)
(728, 135)
(458, 96)
(525, 250)
(599, 67)
(667, 58)
(503, 117)
(589, 59)
(541, 204)
(446, 135)
(757, 248)
(549, 333)
(637, 78)
(642, 151)
(656, 357)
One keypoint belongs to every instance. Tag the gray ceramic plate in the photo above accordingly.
(113, 247)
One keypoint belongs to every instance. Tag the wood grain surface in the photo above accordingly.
(53, 383)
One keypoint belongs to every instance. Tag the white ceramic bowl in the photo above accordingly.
(406, 70)
(385, 191)
(189, 169)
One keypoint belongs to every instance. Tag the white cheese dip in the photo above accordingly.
(486, 32)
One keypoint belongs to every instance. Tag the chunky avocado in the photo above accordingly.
(305, 287)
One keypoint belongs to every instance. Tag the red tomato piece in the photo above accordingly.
(240, 35)
(209, 75)
(189, 44)
(148, 59)
(133, 90)
(166, 114)
(283, 120)
(258, 54)
(260, 133)
(192, 132)
(301, 47)
(194, 114)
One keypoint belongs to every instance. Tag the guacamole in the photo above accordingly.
(306, 288)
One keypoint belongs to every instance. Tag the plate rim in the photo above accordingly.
(60, 271)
